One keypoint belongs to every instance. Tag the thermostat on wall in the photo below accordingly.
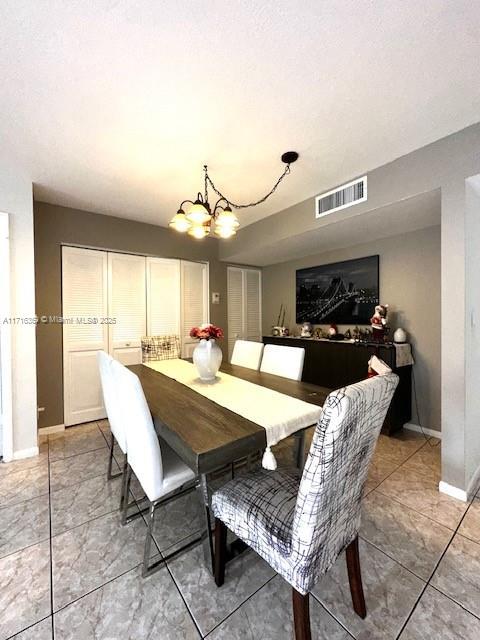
(215, 298)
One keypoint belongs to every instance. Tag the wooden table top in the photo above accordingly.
(204, 434)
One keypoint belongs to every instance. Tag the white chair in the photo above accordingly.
(161, 473)
(112, 408)
(247, 354)
(286, 362)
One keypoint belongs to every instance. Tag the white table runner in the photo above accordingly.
(280, 415)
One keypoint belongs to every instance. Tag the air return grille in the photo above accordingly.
(341, 198)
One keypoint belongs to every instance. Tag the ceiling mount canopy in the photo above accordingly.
(201, 218)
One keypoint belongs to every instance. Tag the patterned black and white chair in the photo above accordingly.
(160, 348)
(301, 525)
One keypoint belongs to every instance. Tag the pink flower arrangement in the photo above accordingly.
(206, 332)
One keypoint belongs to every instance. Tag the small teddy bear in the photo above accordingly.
(378, 323)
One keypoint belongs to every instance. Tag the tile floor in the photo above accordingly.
(68, 570)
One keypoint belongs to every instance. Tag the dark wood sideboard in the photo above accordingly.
(335, 364)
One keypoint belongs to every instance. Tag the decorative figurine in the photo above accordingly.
(378, 323)
(306, 330)
(333, 330)
(356, 334)
(400, 336)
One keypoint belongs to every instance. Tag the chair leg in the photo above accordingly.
(301, 615)
(148, 540)
(110, 457)
(126, 493)
(355, 579)
(124, 474)
(220, 551)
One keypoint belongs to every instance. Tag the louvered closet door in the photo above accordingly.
(244, 292)
(84, 275)
(235, 307)
(127, 306)
(163, 296)
(253, 305)
(195, 297)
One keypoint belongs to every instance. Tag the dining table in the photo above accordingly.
(209, 437)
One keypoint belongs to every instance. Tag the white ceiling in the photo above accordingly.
(114, 105)
(397, 218)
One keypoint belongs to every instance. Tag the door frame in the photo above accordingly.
(5, 341)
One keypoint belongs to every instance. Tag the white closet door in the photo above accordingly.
(244, 301)
(163, 296)
(195, 298)
(127, 306)
(253, 304)
(235, 307)
(84, 274)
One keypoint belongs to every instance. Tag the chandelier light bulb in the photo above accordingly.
(198, 213)
(198, 231)
(179, 222)
(227, 219)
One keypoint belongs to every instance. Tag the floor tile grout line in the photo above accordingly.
(242, 603)
(395, 469)
(79, 453)
(57, 535)
(392, 558)
(165, 563)
(50, 541)
(332, 615)
(433, 573)
(432, 586)
(441, 524)
(29, 627)
(74, 484)
(100, 586)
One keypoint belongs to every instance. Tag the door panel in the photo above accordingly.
(126, 303)
(163, 297)
(84, 291)
(195, 301)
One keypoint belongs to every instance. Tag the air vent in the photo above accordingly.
(341, 198)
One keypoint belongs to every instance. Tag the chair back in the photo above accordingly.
(160, 348)
(110, 399)
(247, 354)
(327, 512)
(283, 361)
(143, 449)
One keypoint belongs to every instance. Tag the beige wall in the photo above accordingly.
(55, 226)
(409, 283)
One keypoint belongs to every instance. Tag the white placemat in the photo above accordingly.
(280, 415)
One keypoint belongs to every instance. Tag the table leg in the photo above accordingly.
(208, 553)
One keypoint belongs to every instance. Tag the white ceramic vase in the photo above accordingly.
(207, 357)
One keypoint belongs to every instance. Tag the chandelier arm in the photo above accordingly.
(250, 204)
(182, 203)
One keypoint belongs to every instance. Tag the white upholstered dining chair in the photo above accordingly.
(283, 361)
(247, 354)
(301, 525)
(161, 473)
(110, 401)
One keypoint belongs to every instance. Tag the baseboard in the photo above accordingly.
(25, 453)
(411, 426)
(452, 491)
(44, 431)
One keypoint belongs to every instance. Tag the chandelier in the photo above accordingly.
(201, 219)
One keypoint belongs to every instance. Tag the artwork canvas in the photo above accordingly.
(341, 293)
